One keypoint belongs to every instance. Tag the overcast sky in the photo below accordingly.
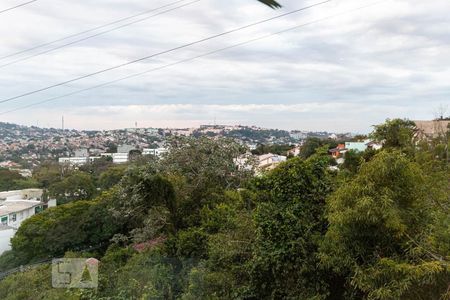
(340, 74)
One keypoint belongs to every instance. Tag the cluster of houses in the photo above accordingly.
(16, 207)
(270, 161)
(123, 154)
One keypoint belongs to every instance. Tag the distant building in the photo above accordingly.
(252, 146)
(125, 148)
(374, 145)
(155, 152)
(432, 129)
(120, 158)
(270, 161)
(298, 135)
(338, 151)
(73, 161)
(83, 152)
(18, 206)
(356, 146)
(6, 233)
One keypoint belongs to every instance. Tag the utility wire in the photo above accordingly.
(193, 58)
(98, 34)
(17, 6)
(163, 52)
(90, 30)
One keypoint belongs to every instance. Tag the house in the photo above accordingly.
(356, 146)
(270, 161)
(6, 233)
(82, 152)
(431, 129)
(17, 206)
(14, 212)
(374, 145)
(155, 152)
(338, 151)
(73, 161)
(125, 148)
(120, 158)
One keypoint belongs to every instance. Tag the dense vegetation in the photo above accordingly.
(194, 226)
(12, 180)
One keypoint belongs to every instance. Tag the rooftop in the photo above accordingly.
(13, 206)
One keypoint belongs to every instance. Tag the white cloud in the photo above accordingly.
(346, 73)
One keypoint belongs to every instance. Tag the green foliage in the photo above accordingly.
(275, 149)
(47, 174)
(289, 223)
(396, 133)
(194, 226)
(73, 226)
(11, 180)
(225, 273)
(378, 231)
(34, 284)
(353, 160)
(310, 146)
(111, 177)
(76, 186)
(140, 192)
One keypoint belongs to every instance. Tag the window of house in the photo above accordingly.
(38, 209)
(4, 220)
(14, 217)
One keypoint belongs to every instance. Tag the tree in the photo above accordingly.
(77, 186)
(10, 180)
(47, 174)
(111, 177)
(290, 221)
(200, 168)
(396, 133)
(275, 149)
(74, 226)
(352, 161)
(310, 146)
(379, 233)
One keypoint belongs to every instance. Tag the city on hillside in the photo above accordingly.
(225, 150)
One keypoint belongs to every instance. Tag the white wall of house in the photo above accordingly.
(120, 158)
(14, 218)
(73, 161)
(155, 152)
(5, 239)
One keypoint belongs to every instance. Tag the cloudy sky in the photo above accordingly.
(350, 68)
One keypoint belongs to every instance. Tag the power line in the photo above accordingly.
(90, 30)
(97, 34)
(193, 58)
(17, 6)
(164, 52)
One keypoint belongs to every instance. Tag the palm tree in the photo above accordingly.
(272, 3)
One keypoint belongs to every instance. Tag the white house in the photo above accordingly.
(17, 206)
(14, 212)
(73, 161)
(155, 152)
(6, 233)
(120, 158)
(270, 161)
